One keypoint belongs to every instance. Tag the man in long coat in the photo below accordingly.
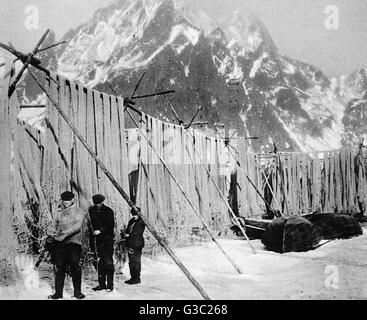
(103, 227)
(134, 243)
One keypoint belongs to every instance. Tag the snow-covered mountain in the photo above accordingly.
(235, 72)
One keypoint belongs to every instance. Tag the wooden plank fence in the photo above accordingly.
(42, 165)
(67, 165)
(330, 181)
(185, 153)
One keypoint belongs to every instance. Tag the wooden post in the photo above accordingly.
(123, 194)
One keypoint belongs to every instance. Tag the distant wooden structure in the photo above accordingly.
(329, 181)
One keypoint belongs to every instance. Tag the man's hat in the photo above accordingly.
(67, 196)
(98, 198)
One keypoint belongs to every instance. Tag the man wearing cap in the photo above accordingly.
(103, 226)
(134, 243)
(68, 245)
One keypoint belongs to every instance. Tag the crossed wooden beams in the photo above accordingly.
(129, 102)
(28, 59)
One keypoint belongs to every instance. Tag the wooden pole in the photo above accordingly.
(222, 197)
(123, 193)
(24, 58)
(174, 111)
(137, 85)
(258, 192)
(207, 171)
(193, 118)
(26, 63)
(34, 61)
(185, 196)
(271, 189)
(153, 94)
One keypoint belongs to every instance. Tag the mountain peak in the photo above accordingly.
(196, 16)
(249, 32)
(234, 71)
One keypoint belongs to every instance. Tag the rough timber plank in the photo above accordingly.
(82, 154)
(99, 138)
(91, 140)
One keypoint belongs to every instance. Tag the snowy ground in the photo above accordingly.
(336, 270)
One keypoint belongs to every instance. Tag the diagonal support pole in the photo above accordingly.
(137, 86)
(193, 118)
(223, 198)
(24, 58)
(211, 178)
(271, 189)
(123, 193)
(174, 111)
(153, 94)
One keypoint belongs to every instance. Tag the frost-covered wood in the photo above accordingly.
(9, 109)
(68, 165)
(184, 155)
(330, 181)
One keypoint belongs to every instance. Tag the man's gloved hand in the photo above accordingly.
(97, 232)
(49, 243)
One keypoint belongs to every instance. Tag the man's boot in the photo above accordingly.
(109, 281)
(76, 276)
(135, 274)
(101, 282)
(59, 285)
(137, 271)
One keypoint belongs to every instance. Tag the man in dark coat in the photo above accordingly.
(103, 226)
(68, 245)
(134, 243)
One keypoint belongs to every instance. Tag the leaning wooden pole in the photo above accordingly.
(123, 193)
(271, 190)
(185, 196)
(222, 196)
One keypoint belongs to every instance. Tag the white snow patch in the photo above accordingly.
(253, 41)
(288, 67)
(257, 64)
(223, 65)
(330, 139)
(277, 89)
(222, 282)
(357, 103)
(131, 61)
(180, 48)
(187, 71)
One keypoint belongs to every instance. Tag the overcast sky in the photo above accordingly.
(297, 26)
